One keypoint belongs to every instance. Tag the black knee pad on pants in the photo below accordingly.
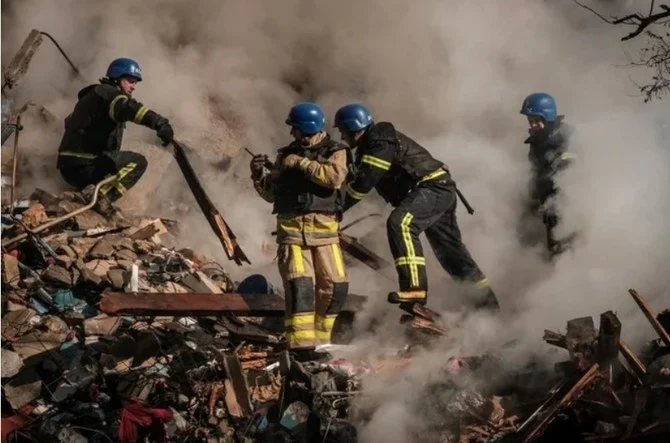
(340, 291)
(302, 295)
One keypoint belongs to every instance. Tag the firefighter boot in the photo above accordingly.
(416, 296)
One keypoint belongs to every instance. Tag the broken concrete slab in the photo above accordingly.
(117, 277)
(10, 270)
(11, 363)
(126, 255)
(102, 249)
(17, 323)
(100, 267)
(58, 275)
(23, 389)
(90, 220)
(101, 325)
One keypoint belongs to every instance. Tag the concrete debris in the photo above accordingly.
(110, 335)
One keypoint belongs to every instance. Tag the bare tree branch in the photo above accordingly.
(636, 19)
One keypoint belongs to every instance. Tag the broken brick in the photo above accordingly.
(34, 216)
(101, 249)
(58, 275)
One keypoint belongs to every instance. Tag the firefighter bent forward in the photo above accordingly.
(424, 196)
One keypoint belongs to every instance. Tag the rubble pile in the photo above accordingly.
(110, 332)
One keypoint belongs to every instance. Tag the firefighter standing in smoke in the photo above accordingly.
(305, 186)
(90, 148)
(548, 141)
(424, 196)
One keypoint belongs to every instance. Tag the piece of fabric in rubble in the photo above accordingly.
(137, 415)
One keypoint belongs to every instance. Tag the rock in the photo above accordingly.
(64, 261)
(125, 254)
(82, 245)
(66, 206)
(44, 197)
(87, 275)
(23, 389)
(34, 216)
(101, 325)
(117, 277)
(67, 250)
(100, 267)
(122, 242)
(143, 246)
(17, 323)
(54, 324)
(58, 275)
(10, 271)
(11, 363)
(126, 265)
(101, 249)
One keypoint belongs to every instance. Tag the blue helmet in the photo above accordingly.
(124, 67)
(540, 104)
(353, 117)
(306, 116)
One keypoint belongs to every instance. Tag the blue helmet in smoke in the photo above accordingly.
(307, 117)
(122, 67)
(540, 104)
(353, 117)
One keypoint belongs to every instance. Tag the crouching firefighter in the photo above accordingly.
(90, 148)
(548, 154)
(305, 184)
(424, 196)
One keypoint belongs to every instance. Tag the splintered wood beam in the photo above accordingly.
(352, 247)
(651, 316)
(565, 401)
(633, 361)
(609, 336)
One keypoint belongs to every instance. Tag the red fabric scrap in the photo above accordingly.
(138, 415)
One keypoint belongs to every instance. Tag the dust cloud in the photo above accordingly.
(451, 74)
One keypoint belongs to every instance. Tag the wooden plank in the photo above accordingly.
(633, 361)
(217, 223)
(238, 382)
(565, 401)
(651, 316)
(201, 304)
(351, 246)
(609, 336)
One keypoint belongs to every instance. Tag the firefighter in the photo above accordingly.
(305, 184)
(548, 154)
(423, 194)
(90, 148)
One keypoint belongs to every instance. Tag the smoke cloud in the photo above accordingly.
(451, 74)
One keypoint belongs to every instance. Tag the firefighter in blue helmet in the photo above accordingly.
(305, 185)
(548, 154)
(90, 149)
(420, 188)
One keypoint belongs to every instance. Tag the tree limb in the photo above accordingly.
(636, 19)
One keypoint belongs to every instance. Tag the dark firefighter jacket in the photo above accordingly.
(308, 198)
(548, 154)
(392, 163)
(97, 122)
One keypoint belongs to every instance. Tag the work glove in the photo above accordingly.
(291, 161)
(164, 131)
(257, 164)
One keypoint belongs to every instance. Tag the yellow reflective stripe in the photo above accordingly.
(339, 262)
(297, 259)
(324, 227)
(329, 322)
(354, 194)
(432, 175)
(412, 295)
(568, 156)
(304, 163)
(306, 335)
(376, 162)
(113, 103)
(140, 114)
(78, 155)
(483, 283)
(123, 172)
(409, 246)
(301, 319)
(403, 261)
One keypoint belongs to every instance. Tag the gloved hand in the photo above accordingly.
(257, 164)
(291, 161)
(164, 131)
